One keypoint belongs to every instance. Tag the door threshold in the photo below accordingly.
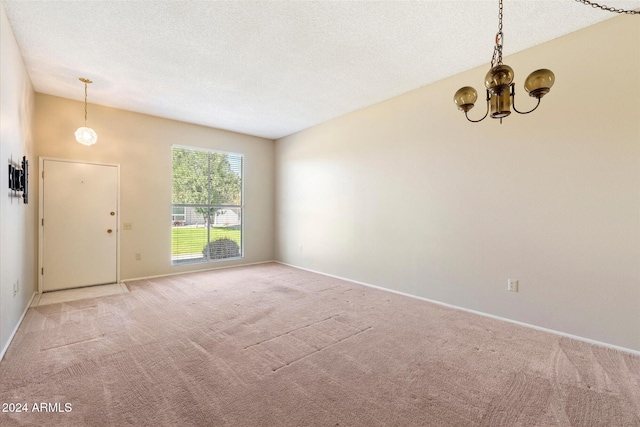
(67, 295)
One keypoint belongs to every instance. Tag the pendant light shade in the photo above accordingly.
(498, 78)
(539, 83)
(85, 135)
(465, 98)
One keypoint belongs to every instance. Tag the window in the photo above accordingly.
(206, 221)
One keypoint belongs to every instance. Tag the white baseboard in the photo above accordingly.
(13, 334)
(195, 271)
(504, 319)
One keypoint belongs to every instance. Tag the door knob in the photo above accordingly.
(109, 231)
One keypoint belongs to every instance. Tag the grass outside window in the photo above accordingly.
(192, 240)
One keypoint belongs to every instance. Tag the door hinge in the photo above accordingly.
(42, 174)
(43, 222)
(42, 271)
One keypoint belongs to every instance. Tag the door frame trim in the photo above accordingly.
(41, 207)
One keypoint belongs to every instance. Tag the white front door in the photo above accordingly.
(79, 224)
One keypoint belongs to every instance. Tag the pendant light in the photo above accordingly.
(500, 87)
(501, 94)
(85, 135)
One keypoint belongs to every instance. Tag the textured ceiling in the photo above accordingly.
(269, 68)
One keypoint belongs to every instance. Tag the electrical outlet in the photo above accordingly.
(127, 226)
(512, 285)
(138, 256)
(15, 288)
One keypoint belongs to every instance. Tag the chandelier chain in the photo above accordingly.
(609, 9)
(497, 50)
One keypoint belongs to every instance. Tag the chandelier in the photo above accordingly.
(86, 135)
(500, 89)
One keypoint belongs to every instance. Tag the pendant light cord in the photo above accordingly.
(85, 104)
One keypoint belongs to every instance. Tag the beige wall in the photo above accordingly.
(17, 220)
(141, 145)
(410, 196)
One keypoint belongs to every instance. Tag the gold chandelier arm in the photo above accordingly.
(513, 102)
(466, 113)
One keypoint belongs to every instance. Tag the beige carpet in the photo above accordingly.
(270, 345)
